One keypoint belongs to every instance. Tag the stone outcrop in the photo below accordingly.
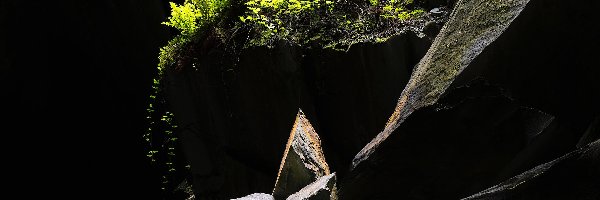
(472, 26)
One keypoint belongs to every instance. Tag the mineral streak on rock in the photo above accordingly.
(303, 160)
(517, 180)
(472, 26)
(514, 188)
(323, 188)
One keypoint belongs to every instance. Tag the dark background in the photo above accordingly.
(74, 84)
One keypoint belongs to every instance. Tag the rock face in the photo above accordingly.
(354, 93)
(472, 26)
(572, 176)
(473, 138)
(303, 161)
(243, 111)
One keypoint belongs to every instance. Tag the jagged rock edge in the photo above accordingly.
(396, 119)
(515, 181)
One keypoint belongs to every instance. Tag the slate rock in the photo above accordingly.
(303, 160)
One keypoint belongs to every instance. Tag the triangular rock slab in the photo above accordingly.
(303, 161)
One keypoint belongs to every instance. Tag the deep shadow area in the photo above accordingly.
(547, 59)
(471, 140)
(74, 81)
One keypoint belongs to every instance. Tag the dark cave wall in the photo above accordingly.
(355, 92)
(250, 105)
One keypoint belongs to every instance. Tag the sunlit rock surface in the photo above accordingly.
(472, 26)
(257, 196)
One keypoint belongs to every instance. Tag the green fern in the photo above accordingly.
(189, 18)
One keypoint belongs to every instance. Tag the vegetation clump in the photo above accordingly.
(190, 18)
(326, 23)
